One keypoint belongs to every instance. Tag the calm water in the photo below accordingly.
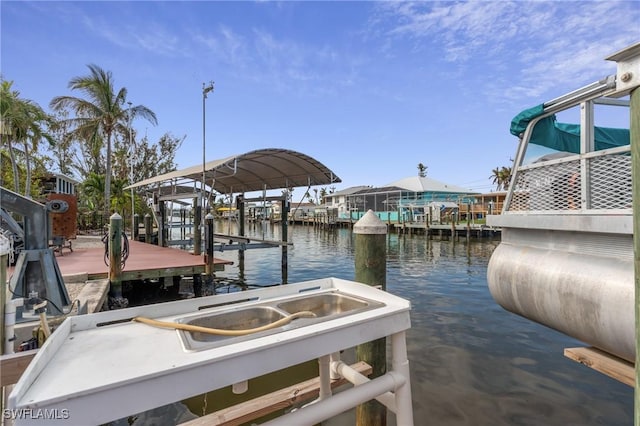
(472, 362)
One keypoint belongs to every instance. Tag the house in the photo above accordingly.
(338, 200)
(407, 200)
(300, 211)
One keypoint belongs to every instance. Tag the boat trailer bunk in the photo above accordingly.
(566, 259)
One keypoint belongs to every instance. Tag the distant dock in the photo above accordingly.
(460, 229)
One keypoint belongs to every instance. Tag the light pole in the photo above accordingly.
(205, 89)
(131, 153)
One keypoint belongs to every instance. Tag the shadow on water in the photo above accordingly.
(472, 363)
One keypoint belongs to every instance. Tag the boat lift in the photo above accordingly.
(566, 259)
(36, 271)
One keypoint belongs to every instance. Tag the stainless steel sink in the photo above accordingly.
(243, 319)
(323, 305)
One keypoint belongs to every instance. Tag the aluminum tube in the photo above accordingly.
(588, 297)
(339, 403)
(358, 379)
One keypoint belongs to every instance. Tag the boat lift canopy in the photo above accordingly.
(258, 170)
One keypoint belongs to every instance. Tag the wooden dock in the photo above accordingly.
(446, 230)
(145, 261)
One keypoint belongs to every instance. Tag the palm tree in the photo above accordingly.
(101, 114)
(121, 199)
(23, 122)
(501, 177)
(93, 190)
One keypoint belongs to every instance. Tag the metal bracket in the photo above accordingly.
(628, 72)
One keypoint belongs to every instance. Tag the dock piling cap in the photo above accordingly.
(370, 224)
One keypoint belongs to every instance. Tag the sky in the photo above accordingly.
(369, 89)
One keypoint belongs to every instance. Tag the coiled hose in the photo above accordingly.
(223, 332)
(125, 249)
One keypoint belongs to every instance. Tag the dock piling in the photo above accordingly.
(136, 225)
(209, 225)
(371, 268)
(197, 232)
(147, 228)
(115, 256)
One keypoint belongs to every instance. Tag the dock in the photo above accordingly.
(145, 261)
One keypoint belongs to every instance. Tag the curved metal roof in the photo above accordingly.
(270, 168)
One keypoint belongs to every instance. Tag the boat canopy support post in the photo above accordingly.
(284, 222)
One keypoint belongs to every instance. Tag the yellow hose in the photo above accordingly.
(224, 332)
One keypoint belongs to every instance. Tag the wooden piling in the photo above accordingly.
(162, 225)
(469, 213)
(115, 256)
(371, 268)
(197, 232)
(148, 227)
(209, 226)
(136, 225)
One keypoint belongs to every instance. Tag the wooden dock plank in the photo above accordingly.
(145, 261)
(271, 402)
(13, 365)
(614, 367)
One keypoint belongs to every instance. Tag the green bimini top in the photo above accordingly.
(562, 136)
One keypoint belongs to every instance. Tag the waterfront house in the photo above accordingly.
(405, 200)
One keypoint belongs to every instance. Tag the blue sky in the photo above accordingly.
(370, 89)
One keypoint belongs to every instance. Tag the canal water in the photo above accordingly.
(472, 363)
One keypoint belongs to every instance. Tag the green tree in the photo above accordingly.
(25, 123)
(323, 194)
(63, 150)
(501, 177)
(92, 189)
(121, 198)
(101, 115)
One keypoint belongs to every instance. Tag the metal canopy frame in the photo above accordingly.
(258, 170)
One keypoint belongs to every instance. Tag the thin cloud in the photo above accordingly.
(152, 37)
(284, 64)
(531, 46)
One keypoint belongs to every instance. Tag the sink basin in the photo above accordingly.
(241, 319)
(323, 305)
